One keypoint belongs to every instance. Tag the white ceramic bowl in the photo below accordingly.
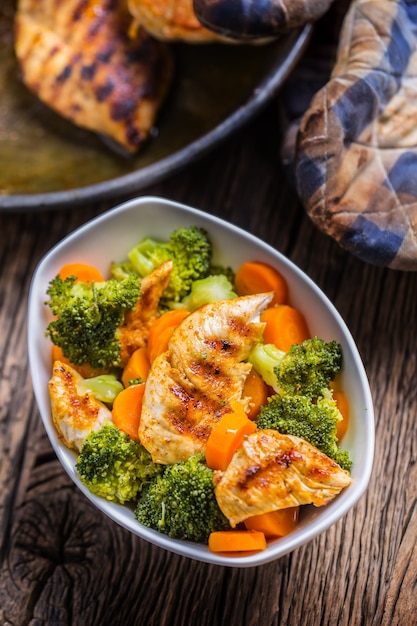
(109, 237)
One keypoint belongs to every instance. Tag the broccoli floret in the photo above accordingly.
(210, 289)
(309, 367)
(265, 358)
(191, 252)
(315, 421)
(122, 270)
(227, 271)
(181, 502)
(88, 316)
(104, 387)
(114, 466)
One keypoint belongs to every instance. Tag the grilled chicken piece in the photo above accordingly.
(189, 387)
(134, 332)
(273, 471)
(170, 20)
(78, 59)
(74, 413)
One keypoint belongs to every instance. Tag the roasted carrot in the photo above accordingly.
(275, 523)
(256, 277)
(285, 326)
(85, 370)
(136, 367)
(127, 408)
(168, 320)
(84, 273)
(257, 391)
(236, 541)
(227, 435)
(343, 406)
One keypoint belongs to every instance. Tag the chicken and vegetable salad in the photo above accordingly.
(195, 394)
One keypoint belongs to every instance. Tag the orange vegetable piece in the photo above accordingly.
(127, 408)
(85, 370)
(236, 541)
(158, 339)
(344, 408)
(84, 273)
(137, 366)
(257, 391)
(227, 435)
(274, 523)
(284, 326)
(257, 277)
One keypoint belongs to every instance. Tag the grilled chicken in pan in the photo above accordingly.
(272, 471)
(190, 386)
(78, 59)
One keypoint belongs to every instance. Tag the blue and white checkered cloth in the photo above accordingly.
(356, 151)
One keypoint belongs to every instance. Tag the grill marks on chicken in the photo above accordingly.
(76, 56)
(190, 386)
(273, 471)
(74, 413)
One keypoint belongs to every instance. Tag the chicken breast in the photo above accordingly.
(273, 471)
(134, 332)
(74, 413)
(78, 59)
(170, 20)
(190, 386)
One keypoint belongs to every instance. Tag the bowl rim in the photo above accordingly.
(119, 513)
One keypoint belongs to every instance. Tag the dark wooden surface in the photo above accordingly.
(64, 563)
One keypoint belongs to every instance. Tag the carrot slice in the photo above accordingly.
(344, 408)
(274, 523)
(285, 326)
(168, 320)
(227, 435)
(256, 277)
(236, 541)
(84, 273)
(136, 367)
(257, 391)
(127, 408)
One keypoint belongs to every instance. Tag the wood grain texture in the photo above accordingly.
(64, 563)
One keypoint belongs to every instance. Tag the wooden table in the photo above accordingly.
(63, 562)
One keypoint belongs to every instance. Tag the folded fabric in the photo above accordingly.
(355, 147)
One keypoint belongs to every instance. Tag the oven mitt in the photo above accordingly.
(354, 150)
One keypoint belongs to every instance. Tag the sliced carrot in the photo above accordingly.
(344, 408)
(160, 343)
(236, 541)
(274, 523)
(285, 326)
(256, 277)
(127, 408)
(136, 367)
(257, 391)
(85, 370)
(227, 435)
(168, 320)
(84, 273)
